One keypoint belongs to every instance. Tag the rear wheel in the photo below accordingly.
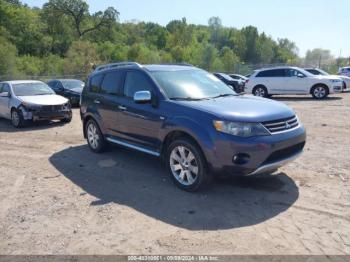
(186, 165)
(17, 119)
(319, 92)
(94, 137)
(260, 91)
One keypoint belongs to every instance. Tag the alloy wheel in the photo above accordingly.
(260, 92)
(15, 118)
(320, 92)
(93, 136)
(184, 166)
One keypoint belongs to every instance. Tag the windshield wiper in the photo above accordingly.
(186, 98)
(224, 95)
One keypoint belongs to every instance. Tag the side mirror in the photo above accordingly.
(142, 97)
(300, 75)
(5, 94)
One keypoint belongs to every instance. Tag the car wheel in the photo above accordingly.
(94, 137)
(187, 165)
(344, 86)
(319, 92)
(67, 120)
(260, 91)
(17, 119)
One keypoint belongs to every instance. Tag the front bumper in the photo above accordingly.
(338, 87)
(265, 154)
(47, 115)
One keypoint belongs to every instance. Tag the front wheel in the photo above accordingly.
(319, 92)
(186, 165)
(17, 119)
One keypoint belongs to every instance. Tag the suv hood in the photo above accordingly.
(44, 100)
(329, 77)
(244, 108)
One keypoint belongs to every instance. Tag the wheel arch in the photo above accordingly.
(319, 84)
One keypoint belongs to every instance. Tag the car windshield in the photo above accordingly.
(32, 89)
(71, 84)
(191, 84)
(317, 72)
(305, 72)
(227, 77)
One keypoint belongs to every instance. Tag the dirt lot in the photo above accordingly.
(56, 197)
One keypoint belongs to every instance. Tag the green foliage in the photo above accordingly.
(63, 37)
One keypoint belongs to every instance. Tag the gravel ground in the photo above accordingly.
(57, 197)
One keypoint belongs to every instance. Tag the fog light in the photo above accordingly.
(241, 159)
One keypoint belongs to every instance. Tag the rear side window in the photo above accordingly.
(95, 83)
(134, 82)
(272, 73)
(111, 83)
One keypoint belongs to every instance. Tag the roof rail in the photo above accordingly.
(179, 64)
(118, 64)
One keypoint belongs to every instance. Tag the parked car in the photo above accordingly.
(24, 101)
(239, 77)
(344, 71)
(318, 71)
(69, 88)
(291, 80)
(195, 123)
(237, 85)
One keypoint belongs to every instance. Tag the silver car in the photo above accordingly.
(29, 101)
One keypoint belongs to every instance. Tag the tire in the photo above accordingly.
(94, 137)
(319, 92)
(186, 165)
(67, 120)
(260, 91)
(17, 119)
(344, 86)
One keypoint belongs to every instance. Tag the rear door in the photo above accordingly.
(110, 92)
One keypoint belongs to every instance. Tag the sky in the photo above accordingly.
(309, 23)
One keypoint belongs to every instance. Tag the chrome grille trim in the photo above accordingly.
(282, 125)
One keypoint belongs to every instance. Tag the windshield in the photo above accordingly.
(32, 89)
(227, 77)
(317, 72)
(71, 84)
(191, 84)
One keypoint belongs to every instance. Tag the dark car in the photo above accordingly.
(195, 123)
(237, 85)
(69, 88)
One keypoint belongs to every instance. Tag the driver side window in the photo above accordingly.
(134, 82)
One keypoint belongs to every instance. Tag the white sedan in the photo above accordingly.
(25, 101)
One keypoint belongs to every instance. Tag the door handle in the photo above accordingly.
(123, 108)
(97, 101)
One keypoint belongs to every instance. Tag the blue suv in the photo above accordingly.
(186, 116)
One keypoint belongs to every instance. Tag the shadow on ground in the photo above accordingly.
(6, 126)
(136, 180)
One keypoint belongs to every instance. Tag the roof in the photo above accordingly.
(22, 82)
(278, 67)
(169, 67)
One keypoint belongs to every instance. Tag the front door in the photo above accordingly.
(5, 101)
(139, 124)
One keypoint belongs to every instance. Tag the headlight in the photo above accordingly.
(29, 106)
(66, 106)
(336, 80)
(241, 129)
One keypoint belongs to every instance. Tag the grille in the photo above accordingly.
(281, 125)
(285, 153)
(51, 108)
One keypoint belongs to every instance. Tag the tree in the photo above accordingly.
(81, 56)
(78, 12)
(8, 53)
(318, 56)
